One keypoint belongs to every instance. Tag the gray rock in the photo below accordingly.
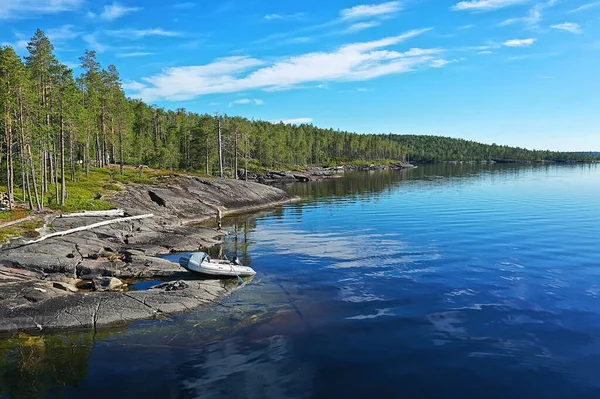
(65, 286)
(35, 279)
(103, 284)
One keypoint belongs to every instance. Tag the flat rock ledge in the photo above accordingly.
(49, 285)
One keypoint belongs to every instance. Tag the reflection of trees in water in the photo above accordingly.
(363, 185)
(237, 242)
(42, 366)
(39, 366)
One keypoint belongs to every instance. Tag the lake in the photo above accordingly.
(466, 281)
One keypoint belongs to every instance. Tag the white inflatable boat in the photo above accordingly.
(200, 262)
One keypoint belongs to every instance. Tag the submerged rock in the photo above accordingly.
(171, 286)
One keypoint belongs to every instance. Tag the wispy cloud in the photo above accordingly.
(440, 63)
(371, 10)
(362, 26)
(347, 16)
(485, 5)
(534, 56)
(114, 11)
(135, 34)
(294, 121)
(93, 42)
(352, 62)
(569, 27)
(22, 9)
(585, 7)
(519, 42)
(465, 27)
(246, 101)
(62, 33)
(132, 55)
(18, 45)
(272, 17)
(533, 18)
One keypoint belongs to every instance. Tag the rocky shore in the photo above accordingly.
(80, 280)
(318, 173)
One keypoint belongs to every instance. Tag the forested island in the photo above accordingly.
(55, 127)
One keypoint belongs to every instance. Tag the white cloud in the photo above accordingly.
(17, 45)
(93, 42)
(371, 10)
(294, 121)
(135, 34)
(485, 52)
(246, 101)
(585, 7)
(132, 55)
(116, 11)
(351, 62)
(519, 42)
(62, 33)
(465, 27)
(533, 18)
(271, 17)
(440, 63)
(569, 27)
(361, 26)
(21, 9)
(485, 5)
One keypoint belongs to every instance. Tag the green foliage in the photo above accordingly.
(438, 149)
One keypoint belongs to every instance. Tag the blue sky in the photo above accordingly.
(516, 72)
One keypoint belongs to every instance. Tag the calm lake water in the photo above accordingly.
(457, 281)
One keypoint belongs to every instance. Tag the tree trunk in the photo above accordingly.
(121, 149)
(56, 191)
(44, 168)
(207, 172)
(236, 154)
(86, 154)
(28, 190)
(63, 190)
(72, 152)
(9, 162)
(220, 152)
(40, 206)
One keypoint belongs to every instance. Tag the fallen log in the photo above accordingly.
(112, 212)
(89, 227)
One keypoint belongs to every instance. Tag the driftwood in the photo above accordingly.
(113, 212)
(89, 227)
(17, 221)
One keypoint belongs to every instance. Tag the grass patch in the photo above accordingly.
(9, 216)
(93, 192)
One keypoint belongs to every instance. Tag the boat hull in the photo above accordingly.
(215, 268)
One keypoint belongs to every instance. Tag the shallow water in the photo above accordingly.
(446, 281)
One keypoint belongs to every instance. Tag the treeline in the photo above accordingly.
(55, 126)
(440, 149)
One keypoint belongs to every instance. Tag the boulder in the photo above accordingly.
(65, 286)
(108, 284)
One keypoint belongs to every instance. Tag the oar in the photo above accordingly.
(240, 281)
